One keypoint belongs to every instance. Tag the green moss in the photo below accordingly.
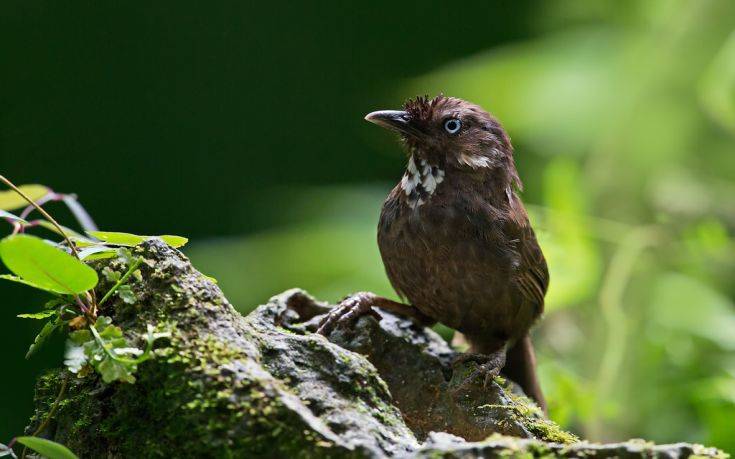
(525, 411)
(206, 411)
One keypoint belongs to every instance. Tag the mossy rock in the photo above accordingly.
(265, 385)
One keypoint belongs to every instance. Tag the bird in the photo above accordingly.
(456, 241)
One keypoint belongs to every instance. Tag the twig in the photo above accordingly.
(44, 213)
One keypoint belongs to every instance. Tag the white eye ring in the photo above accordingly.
(452, 125)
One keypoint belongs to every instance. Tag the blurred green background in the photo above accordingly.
(239, 124)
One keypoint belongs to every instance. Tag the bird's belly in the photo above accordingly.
(450, 273)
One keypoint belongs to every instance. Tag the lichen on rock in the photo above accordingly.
(265, 385)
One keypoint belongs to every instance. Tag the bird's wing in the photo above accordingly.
(533, 279)
(393, 258)
(532, 274)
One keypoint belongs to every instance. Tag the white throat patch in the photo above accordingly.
(419, 183)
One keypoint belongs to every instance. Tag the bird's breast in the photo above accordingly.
(445, 256)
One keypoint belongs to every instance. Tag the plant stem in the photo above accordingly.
(81, 304)
(51, 196)
(122, 280)
(42, 212)
(142, 358)
(101, 342)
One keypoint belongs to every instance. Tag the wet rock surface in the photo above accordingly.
(264, 385)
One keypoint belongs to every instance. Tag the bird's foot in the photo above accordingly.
(489, 367)
(346, 313)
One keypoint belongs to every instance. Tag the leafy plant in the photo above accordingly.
(127, 239)
(94, 344)
(45, 267)
(47, 448)
(105, 349)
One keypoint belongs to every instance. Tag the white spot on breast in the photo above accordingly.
(419, 184)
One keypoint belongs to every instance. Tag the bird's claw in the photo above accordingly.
(489, 367)
(346, 313)
(490, 370)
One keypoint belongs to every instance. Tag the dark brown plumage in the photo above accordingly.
(455, 238)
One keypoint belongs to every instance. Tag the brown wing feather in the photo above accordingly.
(532, 276)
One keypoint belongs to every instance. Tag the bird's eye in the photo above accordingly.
(452, 125)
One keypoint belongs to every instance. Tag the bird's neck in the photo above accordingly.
(420, 181)
(424, 177)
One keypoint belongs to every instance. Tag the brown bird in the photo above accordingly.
(455, 238)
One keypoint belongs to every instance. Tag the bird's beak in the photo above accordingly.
(393, 119)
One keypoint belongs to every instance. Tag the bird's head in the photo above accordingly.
(451, 133)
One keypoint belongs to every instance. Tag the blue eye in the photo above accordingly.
(452, 125)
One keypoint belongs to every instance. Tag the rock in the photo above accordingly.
(264, 385)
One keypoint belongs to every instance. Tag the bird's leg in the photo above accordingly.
(521, 369)
(490, 366)
(359, 304)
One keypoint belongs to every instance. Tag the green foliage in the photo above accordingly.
(624, 137)
(47, 448)
(574, 260)
(103, 347)
(622, 119)
(95, 344)
(111, 275)
(43, 335)
(11, 278)
(126, 294)
(66, 232)
(10, 200)
(130, 240)
(44, 266)
(717, 87)
(37, 315)
(97, 252)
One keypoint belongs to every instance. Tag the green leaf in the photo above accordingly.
(127, 239)
(10, 200)
(126, 294)
(110, 274)
(97, 252)
(48, 448)
(67, 232)
(45, 332)
(106, 329)
(126, 256)
(80, 336)
(38, 315)
(114, 370)
(45, 266)
(17, 279)
(15, 218)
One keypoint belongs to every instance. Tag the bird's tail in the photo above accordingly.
(520, 367)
